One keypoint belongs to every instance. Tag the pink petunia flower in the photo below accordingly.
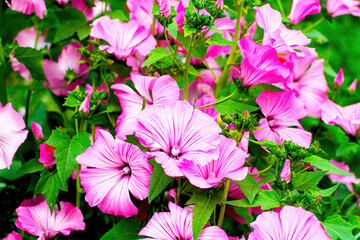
(289, 223)
(282, 111)
(228, 165)
(277, 35)
(285, 174)
(150, 91)
(37, 130)
(28, 6)
(12, 134)
(34, 217)
(13, 236)
(301, 8)
(177, 224)
(125, 39)
(342, 7)
(67, 73)
(347, 180)
(47, 155)
(116, 168)
(176, 132)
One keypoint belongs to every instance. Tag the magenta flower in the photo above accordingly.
(282, 111)
(153, 90)
(28, 6)
(165, 7)
(228, 165)
(285, 174)
(301, 8)
(348, 118)
(342, 7)
(34, 217)
(116, 168)
(47, 155)
(177, 224)
(204, 100)
(13, 236)
(12, 134)
(339, 79)
(277, 35)
(67, 69)
(37, 130)
(125, 39)
(347, 180)
(352, 86)
(176, 132)
(289, 223)
(260, 64)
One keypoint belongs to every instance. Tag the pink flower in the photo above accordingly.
(347, 180)
(85, 105)
(151, 91)
(352, 86)
(116, 168)
(219, 3)
(301, 8)
(34, 217)
(204, 100)
(277, 35)
(289, 223)
(12, 134)
(342, 7)
(47, 155)
(28, 6)
(228, 165)
(13, 236)
(177, 224)
(89, 12)
(66, 69)
(285, 174)
(37, 130)
(176, 132)
(339, 79)
(345, 117)
(260, 64)
(165, 7)
(125, 39)
(282, 111)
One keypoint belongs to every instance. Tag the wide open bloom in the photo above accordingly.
(348, 118)
(150, 91)
(115, 169)
(67, 73)
(228, 165)
(260, 64)
(277, 35)
(301, 8)
(342, 7)
(125, 38)
(291, 223)
(34, 217)
(282, 111)
(28, 6)
(12, 134)
(177, 224)
(176, 132)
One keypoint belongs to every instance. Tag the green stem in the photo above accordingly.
(223, 206)
(167, 41)
(312, 26)
(281, 8)
(153, 23)
(262, 171)
(3, 92)
(27, 113)
(345, 199)
(186, 71)
(78, 187)
(276, 168)
(217, 102)
(178, 191)
(226, 72)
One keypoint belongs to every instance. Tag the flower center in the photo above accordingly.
(125, 170)
(175, 152)
(272, 122)
(212, 175)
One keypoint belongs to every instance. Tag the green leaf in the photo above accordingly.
(172, 28)
(327, 192)
(127, 229)
(72, 20)
(217, 39)
(268, 87)
(337, 227)
(317, 36)
(158, 181)
(307, 180)
(2, 59)
(12, 173)
(188, 30)
(325, 165)
(205, 203)
(135, 141)
(194, 72)
(354, 220)
(33, 60)
(49, 184)
(198, 52)
(266, 199)
(245, 214)
(249, 187)
(231, 106)
(266, 143)
(155, 55)
(31, 166)
(119, 14)
(155, 9)
(66, 151)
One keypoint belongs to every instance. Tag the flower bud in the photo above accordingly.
(37, 130)
(286, 172)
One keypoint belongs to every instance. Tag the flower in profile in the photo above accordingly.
(12, 134)
(34, 217)
(150, 91)
(228, 165)
(28, 6)
(47, 155)
(37, 130)
(342, 7)
(67, 73)
(177, 224)
(115, 169)
(347, 180)
(285, 174)
(289, 223)
(176, 132)
(301, 8)
(282, 111)
(125, 38)
(165, 7)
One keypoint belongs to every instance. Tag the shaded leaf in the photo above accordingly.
(127, 229)
(158, 181)
(231, 106)
(33, 60)
(31, 166)
(249, 187)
